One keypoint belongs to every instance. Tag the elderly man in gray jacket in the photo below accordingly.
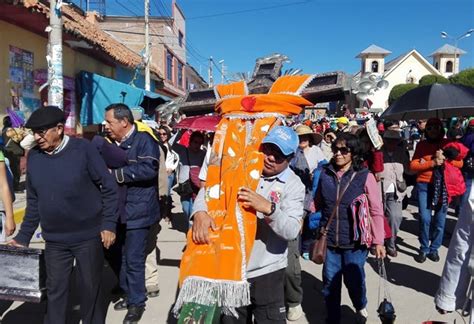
(279, 205)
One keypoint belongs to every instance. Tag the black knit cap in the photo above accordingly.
(45, 117)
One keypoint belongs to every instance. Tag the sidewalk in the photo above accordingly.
(412, 285)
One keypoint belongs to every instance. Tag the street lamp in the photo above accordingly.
(456, 39)
(221, 62)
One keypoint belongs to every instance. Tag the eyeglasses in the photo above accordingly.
(344, 150)
(42, 131)
(162, 134)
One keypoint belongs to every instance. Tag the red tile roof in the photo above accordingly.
(76, 24)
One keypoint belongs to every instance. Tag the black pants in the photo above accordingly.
(59, 259)
(268, 301)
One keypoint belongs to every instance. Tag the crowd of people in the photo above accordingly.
(103, 200)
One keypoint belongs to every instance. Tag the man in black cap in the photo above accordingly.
(71, 193)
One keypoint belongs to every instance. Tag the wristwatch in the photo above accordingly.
(272, 209)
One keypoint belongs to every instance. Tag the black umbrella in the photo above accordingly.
(436, 100)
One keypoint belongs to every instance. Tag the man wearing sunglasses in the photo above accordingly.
(278, 202)
(74, 197)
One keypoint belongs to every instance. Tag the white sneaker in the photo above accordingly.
(294, 313)
(362, 316)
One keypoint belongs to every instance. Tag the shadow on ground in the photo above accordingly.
(408, 276)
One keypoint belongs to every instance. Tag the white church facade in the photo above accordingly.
(406, 68)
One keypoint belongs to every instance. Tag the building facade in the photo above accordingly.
(168, 45)
(406, 68)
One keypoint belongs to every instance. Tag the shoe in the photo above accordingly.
(392, 252)
(152, 291)
(433, 256)
(121, 305)
(362, 316)
(420, 258)
(294, 313)
(134, 314)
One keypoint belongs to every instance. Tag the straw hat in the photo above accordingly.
(305, 130)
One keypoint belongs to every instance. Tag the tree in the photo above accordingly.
(465, 77)
(430, 79)
(399, 90)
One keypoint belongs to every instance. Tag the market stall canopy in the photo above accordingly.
(199, 123)
(97, 92)
(436, 100)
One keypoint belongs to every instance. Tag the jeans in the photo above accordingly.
(171, 182)
(187, 204)
(347, 263)
(132, 271)
(431, 228)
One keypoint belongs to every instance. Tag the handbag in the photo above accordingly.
(385, 310)
(184, 189)
(318, 251)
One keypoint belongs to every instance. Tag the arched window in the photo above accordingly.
(375, 66)
(449, 67)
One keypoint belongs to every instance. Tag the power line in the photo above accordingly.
(250, 10)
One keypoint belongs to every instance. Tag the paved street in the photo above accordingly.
(412, 286)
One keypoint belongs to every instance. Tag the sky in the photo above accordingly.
(317, 35)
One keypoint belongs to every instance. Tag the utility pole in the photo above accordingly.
(211, 78)
(147, 46)
(55, 55)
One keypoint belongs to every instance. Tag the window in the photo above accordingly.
(180, 39)
(375, 66)
(437, 66)
(180, 74)
(449, 67)
(169, 66)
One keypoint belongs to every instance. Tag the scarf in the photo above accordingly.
(215, 273)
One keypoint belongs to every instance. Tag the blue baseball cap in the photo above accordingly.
(283, 137)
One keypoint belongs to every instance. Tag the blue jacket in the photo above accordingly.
(141, 179)
(340, 231)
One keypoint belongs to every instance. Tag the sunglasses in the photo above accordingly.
(162, 134)
(273, 151)
(344, 150)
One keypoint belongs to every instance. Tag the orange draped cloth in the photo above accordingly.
(215, 273)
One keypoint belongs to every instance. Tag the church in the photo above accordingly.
(409, 67)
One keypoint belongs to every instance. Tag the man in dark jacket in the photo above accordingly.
(139, 210)
(72, 195)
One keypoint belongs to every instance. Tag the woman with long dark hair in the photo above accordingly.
(345, 186)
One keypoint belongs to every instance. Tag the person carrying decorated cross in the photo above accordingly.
(250, 207)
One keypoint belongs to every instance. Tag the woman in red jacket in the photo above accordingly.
(427, 161)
